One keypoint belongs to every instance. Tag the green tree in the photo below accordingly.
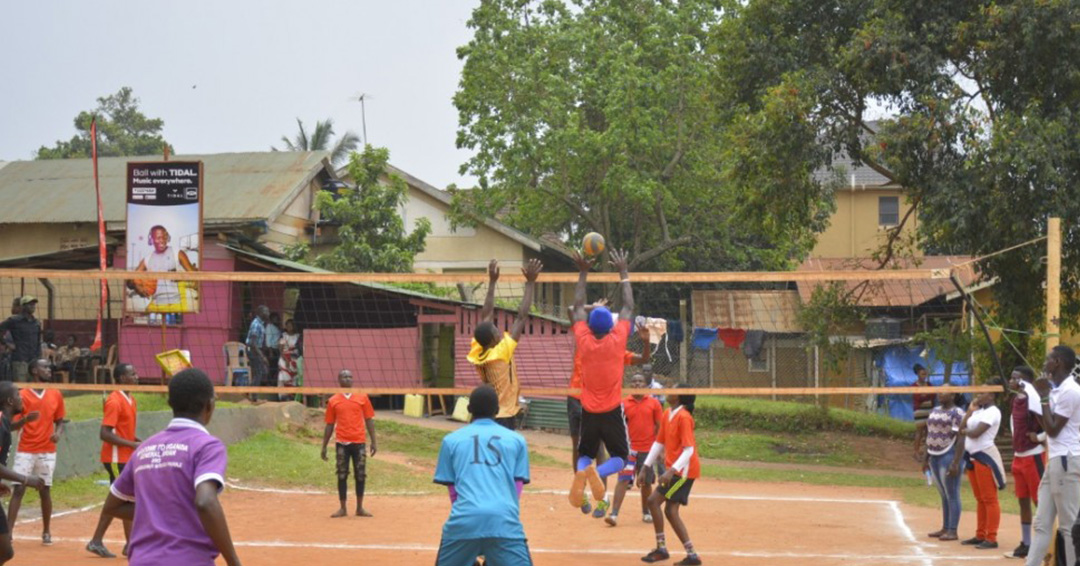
(372, 236)
(122, 130)
(320, 139)
(983, 99)
(602, 116)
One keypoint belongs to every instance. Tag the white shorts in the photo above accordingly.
(41, 465)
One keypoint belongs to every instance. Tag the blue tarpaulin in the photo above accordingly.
(896, 365)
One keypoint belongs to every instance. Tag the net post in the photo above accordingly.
(682, 348)
(1053, 283)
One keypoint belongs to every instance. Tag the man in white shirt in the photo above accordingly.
(1059, 490)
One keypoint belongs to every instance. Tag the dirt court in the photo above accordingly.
(735, 524)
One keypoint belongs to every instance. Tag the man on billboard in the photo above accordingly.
(164, 295)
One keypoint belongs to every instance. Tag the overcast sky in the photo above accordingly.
(234, 75)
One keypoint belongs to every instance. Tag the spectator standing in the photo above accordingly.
(256, 347)
(25, 331)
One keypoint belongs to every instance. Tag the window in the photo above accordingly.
(888, 211)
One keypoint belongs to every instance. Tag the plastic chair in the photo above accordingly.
(236, 362)
(106, 368)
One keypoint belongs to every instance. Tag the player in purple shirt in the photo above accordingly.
(169, 489)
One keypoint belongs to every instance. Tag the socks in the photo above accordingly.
(583, 462)
(611, 466)
(689, 548)
(1025, 531)
(661, 542)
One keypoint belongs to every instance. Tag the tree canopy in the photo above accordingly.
(320, 139)
(604, 116)
(122, 130)
(371, 232)
(982, 101)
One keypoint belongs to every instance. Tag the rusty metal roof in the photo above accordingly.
(771, 311)
(238, 186)
(898, 293)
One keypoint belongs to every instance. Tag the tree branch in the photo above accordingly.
(663, 247)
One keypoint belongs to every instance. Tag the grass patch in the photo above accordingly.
(270, 458)
(791, 417)
(790, 449)
(70, 494)
(415, 441)
(541, 459)
(87, 407)
(912, 491)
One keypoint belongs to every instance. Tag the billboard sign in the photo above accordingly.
(164, 233)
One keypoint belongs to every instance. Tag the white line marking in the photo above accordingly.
(599, 551)
(746, 497)
(239, 487)
(62, 514)
(902, 526)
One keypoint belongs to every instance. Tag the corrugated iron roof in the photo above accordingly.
(238, 186)
(898, 293)
(771, 311)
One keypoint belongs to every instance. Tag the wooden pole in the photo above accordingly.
(682, 350)
(1053, 283)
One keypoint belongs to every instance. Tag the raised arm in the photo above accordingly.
(584, 265)
(488, 313)
(620, 260)
(531, 271)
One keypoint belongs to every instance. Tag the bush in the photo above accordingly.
(797, 418)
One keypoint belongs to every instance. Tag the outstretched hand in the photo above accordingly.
(532, 270)
(493, 270)
(620, 260)
(583, 263)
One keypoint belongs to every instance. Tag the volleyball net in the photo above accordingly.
(843, 331)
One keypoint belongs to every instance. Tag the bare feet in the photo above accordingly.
(363, 513)
(339, 513)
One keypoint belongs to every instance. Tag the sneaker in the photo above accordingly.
(972, 541)
(986, 545)
(99, 549)
(690, 560)
(586, 508)
(1021, 551)
(125, 551)
(656, 555)
(646, 518)
(612, 520)
(46, 539)
(601, 508)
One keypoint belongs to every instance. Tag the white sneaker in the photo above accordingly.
(612, 520)
(646, 518)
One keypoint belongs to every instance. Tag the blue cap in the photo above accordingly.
(600, 320)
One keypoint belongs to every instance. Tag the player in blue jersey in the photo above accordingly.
(484, 466)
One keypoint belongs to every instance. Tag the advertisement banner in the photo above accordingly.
(164, 233)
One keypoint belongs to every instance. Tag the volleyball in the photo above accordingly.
(592, 244)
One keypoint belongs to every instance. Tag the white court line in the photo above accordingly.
(902, 526)
(239, 487)
(746, 497)
(62, 514)
(861, 558)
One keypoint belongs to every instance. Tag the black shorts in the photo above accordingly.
(608, 429)
(355, 453)
(113, 474)
(3, 522)
(573, 415)
(678, 491)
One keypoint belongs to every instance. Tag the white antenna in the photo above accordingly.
(361, 97)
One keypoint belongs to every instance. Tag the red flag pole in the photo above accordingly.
(97, 345)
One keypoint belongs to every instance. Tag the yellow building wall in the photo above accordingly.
(20, 240)
(853, 229)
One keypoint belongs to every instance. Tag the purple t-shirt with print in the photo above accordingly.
(161, 479)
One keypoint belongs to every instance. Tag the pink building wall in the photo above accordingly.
(384, 357)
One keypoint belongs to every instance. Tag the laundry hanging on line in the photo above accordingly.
(732, 337)
(755, 340)
(703, 338)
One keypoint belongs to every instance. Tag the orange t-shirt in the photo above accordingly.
(35, 438)
(575, 376)
(602, 363)
(676, 433)
(347, 412)
(120, 414)
(641, 420)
